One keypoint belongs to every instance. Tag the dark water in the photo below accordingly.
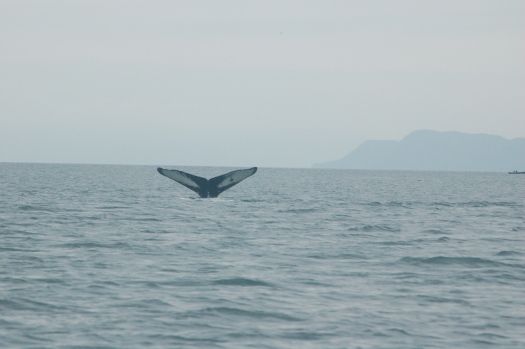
(120, 257)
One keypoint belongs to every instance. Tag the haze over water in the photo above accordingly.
(120, 257)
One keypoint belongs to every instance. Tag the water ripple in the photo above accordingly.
(238, 281)
(120, 257)
(459, 261)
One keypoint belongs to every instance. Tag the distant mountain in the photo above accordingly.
(437, 151)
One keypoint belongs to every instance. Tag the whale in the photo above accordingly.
(208, 188)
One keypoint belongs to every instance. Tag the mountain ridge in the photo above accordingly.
(436, 151)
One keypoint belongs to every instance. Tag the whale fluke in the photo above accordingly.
(208, 188)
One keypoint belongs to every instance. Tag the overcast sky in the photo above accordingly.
(242, 83)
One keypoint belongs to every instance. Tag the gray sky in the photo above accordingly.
(241, 83)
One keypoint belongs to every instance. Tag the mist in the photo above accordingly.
(235, 83)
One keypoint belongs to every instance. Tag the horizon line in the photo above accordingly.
(262, 167)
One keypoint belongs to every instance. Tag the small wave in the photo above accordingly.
(476, 204)
(378, 227)
(47, 280)
(508, 278)
(27, 305)
(398, 204)
(168, 282)
(435, 299)
(492, 203)
(241, 282)
(181, 339)
(14, 249)
(312, 282)
(442, 203)
(442, 260)
(252, 200)
(492, 335)
(483, 342)
(434, 231)
(303, 335)
(401, 242)
(89, 244)
(147, 303)
(399, 330)
(13, 280)
(9, 324)
(489, 203)
(69, 209)
(109, 207)
(34, 208)
(299, 210)
(28, 259)
(509, 253)
(337, 256)
(146, 219)
(403, 204)
(258, 314)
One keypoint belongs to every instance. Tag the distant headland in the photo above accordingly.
(437, 151)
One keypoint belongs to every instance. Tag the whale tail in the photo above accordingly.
(208, 187)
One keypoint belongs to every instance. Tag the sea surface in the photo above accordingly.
(95, 256)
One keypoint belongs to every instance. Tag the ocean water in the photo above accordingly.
(121, 257)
